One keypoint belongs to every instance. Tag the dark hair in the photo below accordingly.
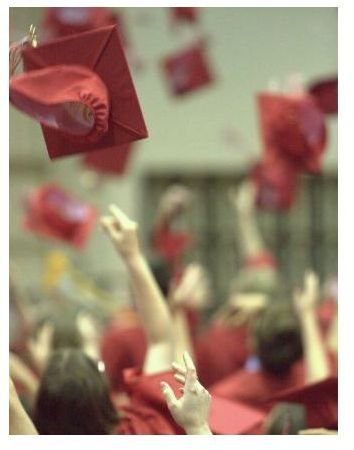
(162, 273)
(73, 397)
(65, 330)
(278, 338)
(286, 418)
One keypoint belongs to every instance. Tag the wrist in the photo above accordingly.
(198, 429)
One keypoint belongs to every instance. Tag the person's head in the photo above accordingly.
(251, 281)
(74, 397)
(286, 418)
(277, 338)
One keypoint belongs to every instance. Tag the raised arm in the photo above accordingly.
(247, 230)
(191, 411)
(19, 422)
(316, 362)
(152, 307)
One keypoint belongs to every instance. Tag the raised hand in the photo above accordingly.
(175, 200)
(194, 288)
(122, 231)
(191, 411)
(243, 197)
(305, 299)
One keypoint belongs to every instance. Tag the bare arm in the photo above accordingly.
(19, 421)
(316, 363)
(247, 230)
(152, 307)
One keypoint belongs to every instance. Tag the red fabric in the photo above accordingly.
(320, 400)
(187, 70)
(53, 213)
(276, 184)
(255, 388)
(171, 245)
(219, 352)
(147, 412)
(228, 417)
(122, 348)
(112, 161)
(325, 94)
(101, 51)
(47, 94)
(262, 260)
(293, 128)
(186, 14)
(124, 345)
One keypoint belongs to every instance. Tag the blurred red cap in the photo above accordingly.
(187, 70)
(325, 94)
(54, 213)
(293, 128)
(276, 183)
(185, 14)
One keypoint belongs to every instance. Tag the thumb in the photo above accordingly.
(169, 395)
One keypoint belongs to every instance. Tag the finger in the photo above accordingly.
(189, 362)
(169, 395)
(119, 215)
(180, 378)
(179, 369)
(109, 226)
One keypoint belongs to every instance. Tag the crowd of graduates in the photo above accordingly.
(264, 363)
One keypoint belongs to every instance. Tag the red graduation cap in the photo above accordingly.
(185, 14)
(229, 417)
(112, 161)
(187, 70)
(325, 94)
(54, 213)
(113, 114)
(276, 183)
(63, 21)
(320, 400)
(293, 128)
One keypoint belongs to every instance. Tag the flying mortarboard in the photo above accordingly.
(276, 183)
(293, 128)
(184, 14)
(187, 70)
(84, 79)
(54, 213)
(59, 22)
(325, 93)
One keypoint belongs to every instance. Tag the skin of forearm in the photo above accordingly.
(181, 335)
(317, 367)
(249, 236)
(151, 305)
(20, 423)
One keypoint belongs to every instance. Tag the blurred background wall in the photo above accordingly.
(250, 49)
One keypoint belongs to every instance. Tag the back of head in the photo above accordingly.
(277, 336)
(73, 397)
